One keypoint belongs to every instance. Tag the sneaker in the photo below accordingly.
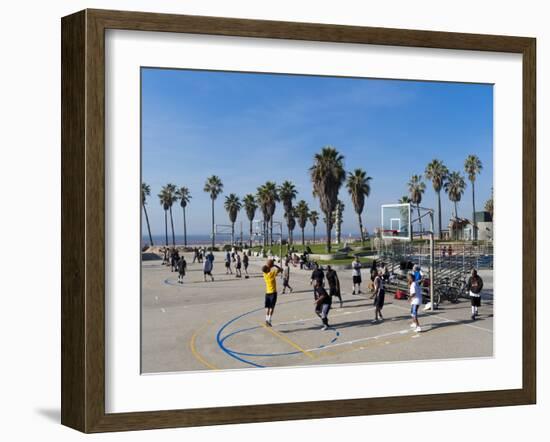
(269, 324)
(418, 329)
(353, 293)
(473, 317)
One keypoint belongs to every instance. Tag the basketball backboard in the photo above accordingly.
(396, 221)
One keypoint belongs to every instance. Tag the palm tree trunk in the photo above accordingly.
(172, 224)
(303, 240)
(213, 233)
(456, 210)
(328, 223)
(148, 226)
(474, 224)
(232, 233)
(361, 229)
(271, 232)
(184, 229)
(439, 212)
(166, 227)
(314, 234)
(250, 239)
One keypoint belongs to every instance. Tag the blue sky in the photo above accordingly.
(250, 128)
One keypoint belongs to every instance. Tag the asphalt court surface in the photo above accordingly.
(220, 325)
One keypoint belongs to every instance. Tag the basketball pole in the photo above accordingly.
(432, 258)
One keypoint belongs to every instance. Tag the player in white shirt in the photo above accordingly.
(415, 297)
(356, 275)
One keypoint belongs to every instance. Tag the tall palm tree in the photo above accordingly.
(250, 207)
(302, 213)
(232, 205)
(169, 192)
(184, 197)
(262, 198)
(145, 192)
(473, 167)
(416, 189)
(359, 188)
(437, 172)
(327, 176)
(339, 219)
(313, 218)
(291, 223)
(270, 197)
(489, 204)
(454, 187)
(164, 198)
(214, 187)
(287, 193)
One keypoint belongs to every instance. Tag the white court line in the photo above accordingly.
(435, 315)
(370, 338)
(332, 316)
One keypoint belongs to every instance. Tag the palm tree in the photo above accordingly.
(169, 195)
(302, 213)
(359, 188)
(339, 219)
(262, 198)
(268, 198)
(164, 202)
(291, 223)
(327, 175)
(416, 190)
(184, 197)
(232, 205)
(313, 218)
(214, 187)
(489, 204)
(473, 167)
(287, 193)
(437, 172)
(250, 207)
(454, 187)
(145, 192)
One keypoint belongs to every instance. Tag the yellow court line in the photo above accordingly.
(194, 350)
(288, 341)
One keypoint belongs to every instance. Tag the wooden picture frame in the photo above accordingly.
(83, 219)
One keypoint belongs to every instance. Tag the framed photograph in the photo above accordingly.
(266, 221)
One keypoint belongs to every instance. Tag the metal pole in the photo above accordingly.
(432, 253)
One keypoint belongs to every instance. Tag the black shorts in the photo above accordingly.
(227, 264)
(270, 300)
(209, 272)
(285, 283)
(379, 300)
(238, 267)
(476, 301)
(333, 291)
(357, 279)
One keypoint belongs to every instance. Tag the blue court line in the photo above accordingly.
(234, 352)
(230, 352)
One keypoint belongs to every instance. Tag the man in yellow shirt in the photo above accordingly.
(270, 272)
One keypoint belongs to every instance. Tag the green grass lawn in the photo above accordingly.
(316, 248)
(345, 261)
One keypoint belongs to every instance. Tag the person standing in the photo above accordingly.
(228, 264)
(270, 272)
(182, 265)
(356, 275)
(323, 302)
(245, 265)
(415, 298)
(237, 265)
(379, 292)
(333, 284)
(317, 275)
(475, 285)
(286, 277)
(175, 257)
(207, 267)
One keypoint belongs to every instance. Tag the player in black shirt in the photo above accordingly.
(323, 301)
(317, 275)
(333, 284)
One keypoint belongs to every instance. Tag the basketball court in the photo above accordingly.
(220, 325)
